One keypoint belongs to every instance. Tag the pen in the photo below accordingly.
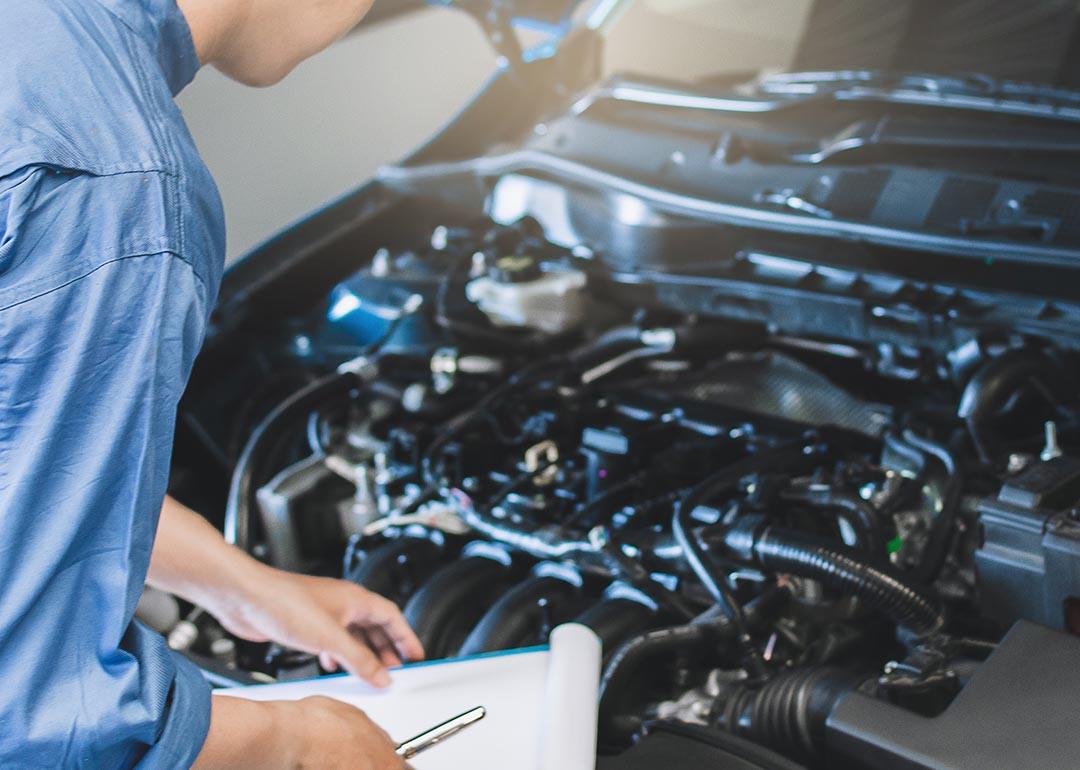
(440, 733)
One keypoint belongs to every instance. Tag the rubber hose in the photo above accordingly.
(625, 664)
(394, 570)
(863, 517)
(517, 615)
(994, 383)
(789, 712)
(250, 471)
(443, 610)
(594, 350)
(615, 619)
(780, 457)
(776, 550)
(901, 448)
(936, 550)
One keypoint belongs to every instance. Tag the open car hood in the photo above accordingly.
(552, 19)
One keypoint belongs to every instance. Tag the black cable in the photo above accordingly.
(458, 423)
(314, 433)
(250, 469)
(698, 559)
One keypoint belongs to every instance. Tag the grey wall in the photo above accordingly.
(690, 39)
(280, 152)
(277, 153)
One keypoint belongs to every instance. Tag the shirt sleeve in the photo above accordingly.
(186, 721)
(96, 345)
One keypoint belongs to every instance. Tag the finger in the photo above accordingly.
(385, 614)
(353, 655)
(327, 662)
(361, 661)
(382, 645)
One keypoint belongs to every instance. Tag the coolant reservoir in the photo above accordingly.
(519, 292)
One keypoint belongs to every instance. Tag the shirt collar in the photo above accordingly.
(162, 25)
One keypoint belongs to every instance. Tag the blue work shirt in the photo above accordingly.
(111, 251)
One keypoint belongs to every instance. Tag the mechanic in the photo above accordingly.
(111, 253)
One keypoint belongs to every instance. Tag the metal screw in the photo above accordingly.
(1052, 449)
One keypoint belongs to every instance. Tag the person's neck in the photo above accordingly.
(210, 22)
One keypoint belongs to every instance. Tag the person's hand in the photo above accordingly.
(341, 622)
(317, 733)
(331, 735)
(344, 624)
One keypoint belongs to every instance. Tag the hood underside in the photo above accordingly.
(1036, 42)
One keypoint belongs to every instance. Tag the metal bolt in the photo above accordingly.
(380, 263)
(1052, 449)
(1017, 462)
(412, 398)
(302, 345)
(478, 264)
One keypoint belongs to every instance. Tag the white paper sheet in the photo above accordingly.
(541, 704)
(568, 734)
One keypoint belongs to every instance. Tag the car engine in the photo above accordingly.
(765, 531)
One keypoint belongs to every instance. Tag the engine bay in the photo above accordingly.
(500, 435)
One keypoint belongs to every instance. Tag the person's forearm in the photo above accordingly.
(314, 732)
(192, 560)
(244, 734)
(259, 41)
(254, 601)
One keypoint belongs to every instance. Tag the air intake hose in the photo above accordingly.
(752, 541)
(789, 712)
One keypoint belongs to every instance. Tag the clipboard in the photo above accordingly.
(541, 704)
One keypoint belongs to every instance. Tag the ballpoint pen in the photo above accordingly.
(439, 733)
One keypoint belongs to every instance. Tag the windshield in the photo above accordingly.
(702, 41)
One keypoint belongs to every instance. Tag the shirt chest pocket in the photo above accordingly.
(59, 225)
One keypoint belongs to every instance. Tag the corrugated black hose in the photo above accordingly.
(754, 542)
(784, 457)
